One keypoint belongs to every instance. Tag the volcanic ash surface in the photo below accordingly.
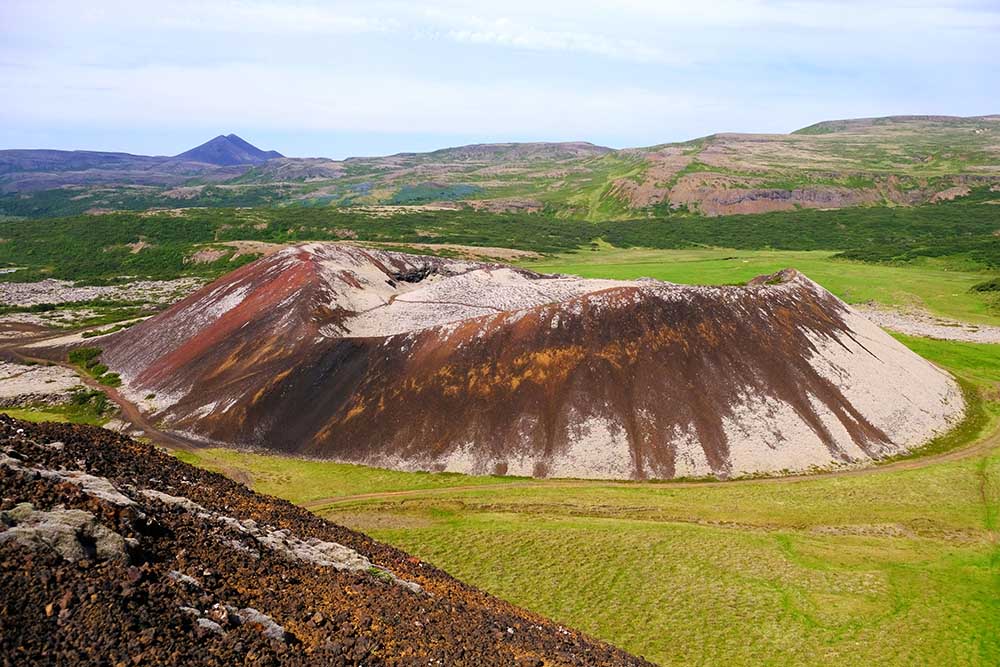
(424, 363)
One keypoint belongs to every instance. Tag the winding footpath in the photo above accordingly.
(980, 447)
(130, 412)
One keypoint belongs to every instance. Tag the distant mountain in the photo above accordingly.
(42, 170)
(869, 125)
(227, 150)
(519, 152)
(891, 161)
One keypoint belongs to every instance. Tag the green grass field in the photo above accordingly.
(935, 285)
(75, 414)
(897, 566)
(301, 481)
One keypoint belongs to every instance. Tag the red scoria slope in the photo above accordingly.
(114, 553)
(427, 363)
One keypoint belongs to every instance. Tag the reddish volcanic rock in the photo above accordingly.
(115, 553)
(426, 363)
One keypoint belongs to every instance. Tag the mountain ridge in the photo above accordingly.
(889, 161)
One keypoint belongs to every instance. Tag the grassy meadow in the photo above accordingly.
(939, 286)
(301, 481)
(74, 414)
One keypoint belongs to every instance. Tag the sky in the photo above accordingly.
(343, 78)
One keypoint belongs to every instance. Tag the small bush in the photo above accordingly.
(992, 285)
(84, 356)
(91, 398)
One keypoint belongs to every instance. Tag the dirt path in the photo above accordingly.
(130, 413)
(921, 323)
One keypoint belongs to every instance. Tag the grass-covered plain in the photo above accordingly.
(76, 414)
(302, 481)
(894, 566)
(942, 287)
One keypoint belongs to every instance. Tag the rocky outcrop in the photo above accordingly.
(155, 562)
(416, 362)
(714, 194)
(23, 385)
(506, 205)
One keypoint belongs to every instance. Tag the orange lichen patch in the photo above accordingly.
(248, 356)
(551, 365)
(275, 381)
(355, 410)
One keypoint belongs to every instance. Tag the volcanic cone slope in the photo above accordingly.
(112, 552)
(416, 362)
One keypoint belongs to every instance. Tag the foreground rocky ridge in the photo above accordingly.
(112, 552)
(414, 363)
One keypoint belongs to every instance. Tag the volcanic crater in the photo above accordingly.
(426, 363)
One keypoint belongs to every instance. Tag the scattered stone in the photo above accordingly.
(177, 501)
(87, 579)
(24, 385)
(185, 579)
(210, 625)
(918, 322)
(263, 621)
(73, 534)
(63, 291)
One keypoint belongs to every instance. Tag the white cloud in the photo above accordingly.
(225, 16)
(270, 18)
(647, 69)
(503, 32)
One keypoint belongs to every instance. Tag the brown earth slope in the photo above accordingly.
(114, 553)
(416, 362)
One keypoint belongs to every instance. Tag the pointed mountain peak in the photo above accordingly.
(227, 150)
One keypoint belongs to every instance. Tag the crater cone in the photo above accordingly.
(425, 363)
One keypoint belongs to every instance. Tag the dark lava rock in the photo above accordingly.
(148, 561)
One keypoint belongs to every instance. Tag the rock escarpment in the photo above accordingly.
(416, 362)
